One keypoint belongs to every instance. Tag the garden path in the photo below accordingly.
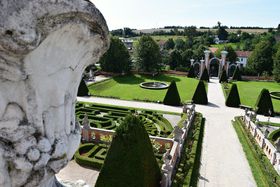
(223, 162)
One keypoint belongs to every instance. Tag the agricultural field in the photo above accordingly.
(127, 88)
(250, 90)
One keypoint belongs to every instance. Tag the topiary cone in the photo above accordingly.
(191, 72)
(200, 94)
(264, 104)
(83, 89)
(224, 77)
(233, 99)
(172, 96)
(237, 74)
(130, 160)
(205, 75)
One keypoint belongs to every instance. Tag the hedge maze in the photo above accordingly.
(109, 117)
(91, 155)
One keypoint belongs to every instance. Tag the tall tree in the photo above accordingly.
(186, 57)
(148, 56)
(169, 44)
(276, 67)
(175, 59)
(180, 44)
(117, 58)
(261, 58)
(221, 32)
(231, 56)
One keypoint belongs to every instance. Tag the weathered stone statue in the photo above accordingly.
(45, 46)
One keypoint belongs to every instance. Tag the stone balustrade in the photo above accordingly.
(268, 148)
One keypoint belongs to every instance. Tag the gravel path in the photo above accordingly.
(223, 161)
(74, 172)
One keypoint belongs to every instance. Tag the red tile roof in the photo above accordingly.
(213, 49)
(243, 53)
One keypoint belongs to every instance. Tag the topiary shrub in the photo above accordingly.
(264, 104)
(233, 99)
(224, 77)
(130, 159)
(172, 96)
(83, 89)
(205, 75)
(191, 72)
(200, 94)
(237, 74)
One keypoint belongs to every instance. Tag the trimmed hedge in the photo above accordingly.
(233, 99)
(85, 160)
(200, 94)
(224, 77)
(264, 104)
(130, 159)
(83, 89)
(191, 72)
(237, 74)
(205, 75)
(274, 135)
(172, 96)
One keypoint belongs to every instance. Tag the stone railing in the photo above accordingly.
(172, 157)
(98, 135)
(271, 151)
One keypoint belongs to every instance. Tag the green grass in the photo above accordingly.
(265, 123)
(188, 168)
(222, 46)
(250, 90)
(263, 172)
(127, 87)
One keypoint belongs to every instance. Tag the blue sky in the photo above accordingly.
(144, 14)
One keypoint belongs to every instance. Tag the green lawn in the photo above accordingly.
(127, 87)
(249, 92)
(222, 46)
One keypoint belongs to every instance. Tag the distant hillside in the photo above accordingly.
(149, 31)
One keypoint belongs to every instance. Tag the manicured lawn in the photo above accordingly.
(249, 92)
(127, 87)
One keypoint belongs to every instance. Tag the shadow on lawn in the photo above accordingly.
(137, 79)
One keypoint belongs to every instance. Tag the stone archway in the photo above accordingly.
(214, 67)
(231, 69)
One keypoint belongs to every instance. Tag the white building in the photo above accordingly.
(127, 42)
(242, 57)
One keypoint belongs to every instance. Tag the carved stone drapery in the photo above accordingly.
(45, 46)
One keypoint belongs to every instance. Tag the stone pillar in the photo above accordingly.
(45, 46)
(192, 61)
(207, 63)
(223, 62)
(202, 66)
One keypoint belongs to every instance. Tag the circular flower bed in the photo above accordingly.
(275, 95)
(154, 85)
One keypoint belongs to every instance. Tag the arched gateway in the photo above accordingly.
(213, 65)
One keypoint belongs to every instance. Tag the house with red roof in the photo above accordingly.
(242, 57)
